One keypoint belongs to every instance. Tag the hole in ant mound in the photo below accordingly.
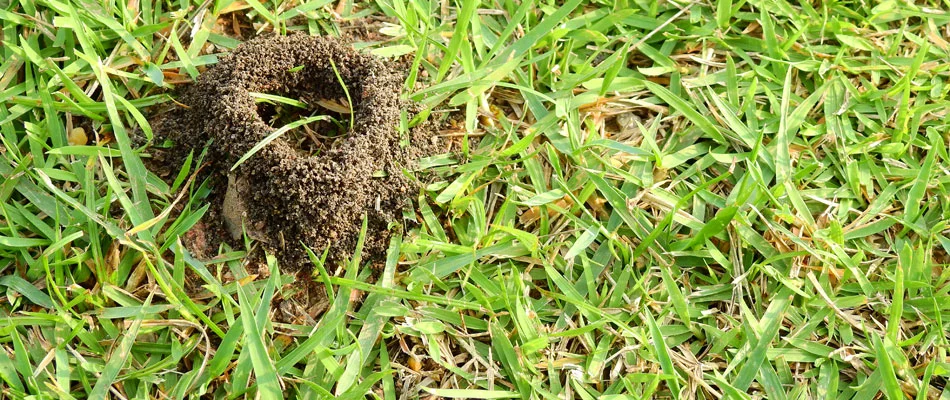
(311, 139)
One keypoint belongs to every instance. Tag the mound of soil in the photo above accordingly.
(314, 184)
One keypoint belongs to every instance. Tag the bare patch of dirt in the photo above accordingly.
(313, 185)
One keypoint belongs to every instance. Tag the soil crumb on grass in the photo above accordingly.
(313, 184)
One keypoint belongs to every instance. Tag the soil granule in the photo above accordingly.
(314, 184)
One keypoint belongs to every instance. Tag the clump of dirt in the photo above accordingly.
(314, 184)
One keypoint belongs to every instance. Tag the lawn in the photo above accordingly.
(644, 199)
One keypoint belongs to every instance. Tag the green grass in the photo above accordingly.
(738, 199)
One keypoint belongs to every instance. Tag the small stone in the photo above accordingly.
(234, 211)
(77, 137)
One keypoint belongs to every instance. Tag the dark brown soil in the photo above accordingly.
(313, 185)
